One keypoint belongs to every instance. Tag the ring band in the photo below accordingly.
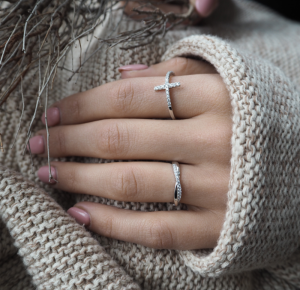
(167, 86)
(178, 189)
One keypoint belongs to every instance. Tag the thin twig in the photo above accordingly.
(21, 117)
(26, 23)
(10, 38)
(1, 144)
(54, 27)
(10, 12)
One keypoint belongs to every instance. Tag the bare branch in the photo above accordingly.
(37, 35)
(9, 39)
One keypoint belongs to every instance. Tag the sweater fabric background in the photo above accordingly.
(257, 53)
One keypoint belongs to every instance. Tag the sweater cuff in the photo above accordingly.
(57, 252)
(262, 223)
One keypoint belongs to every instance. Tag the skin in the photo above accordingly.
(128, 120)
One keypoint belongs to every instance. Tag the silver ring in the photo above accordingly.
(178, 189)
(167, 86)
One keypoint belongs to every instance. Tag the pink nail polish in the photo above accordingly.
(205, 7)
(36, 145)
(43, 174)
(132, 67)
(53, 116)
(79, 215)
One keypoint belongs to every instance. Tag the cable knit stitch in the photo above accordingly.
(257, 54)
(58, 253)
(256, 175)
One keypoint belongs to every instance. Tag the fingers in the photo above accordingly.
(204, 186)
(136, 98)
(181, 230)
(179, 65)
(187, 141)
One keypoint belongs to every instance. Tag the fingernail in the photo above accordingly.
(53, 116)
(132, 67)
(205, 7)
(43, 174)
(36, 145)
(79, 215)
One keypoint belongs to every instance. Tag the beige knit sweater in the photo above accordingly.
(257, 53)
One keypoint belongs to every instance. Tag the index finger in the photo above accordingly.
(136, 98)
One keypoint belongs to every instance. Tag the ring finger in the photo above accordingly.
(204, 186)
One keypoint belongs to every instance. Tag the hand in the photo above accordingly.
(115, 121)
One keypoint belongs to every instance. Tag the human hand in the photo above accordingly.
(115, 121)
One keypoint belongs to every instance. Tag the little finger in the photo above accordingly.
(160, 230)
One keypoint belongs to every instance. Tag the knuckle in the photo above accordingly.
(113, 139)
(221, 100)
(74, 107)
(125, 184)
(160, 235)
(181, 64)
(222, 133)
(122, 96)
(72, 180)
(216, 135)
(60, 142)
(216, 141)
(107, 225)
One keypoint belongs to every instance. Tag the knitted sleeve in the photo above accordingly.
(262, 223)
(57, 252)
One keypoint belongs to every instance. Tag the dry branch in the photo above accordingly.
(35, 33)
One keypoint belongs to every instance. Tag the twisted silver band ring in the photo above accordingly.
(167, 86)
(178, 189)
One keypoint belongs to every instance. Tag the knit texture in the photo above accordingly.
(257, 53)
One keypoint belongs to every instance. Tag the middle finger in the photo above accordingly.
(186, 141)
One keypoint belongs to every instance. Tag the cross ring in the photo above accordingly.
(167, 86)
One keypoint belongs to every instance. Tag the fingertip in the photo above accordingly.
(36, 145)
(81, 216)
(205, 7)
(44, 176)
(126, 75)
(53, 116)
